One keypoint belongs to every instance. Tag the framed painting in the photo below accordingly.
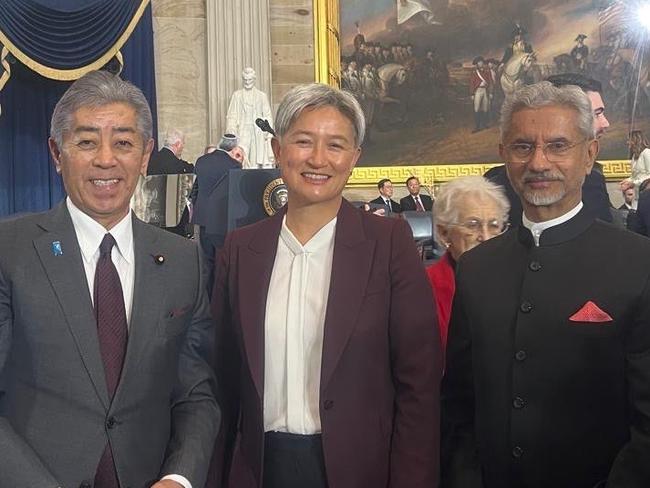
(431, 75)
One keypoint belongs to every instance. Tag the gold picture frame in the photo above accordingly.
(327, 56)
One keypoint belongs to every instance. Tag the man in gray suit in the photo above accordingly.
(105, 377)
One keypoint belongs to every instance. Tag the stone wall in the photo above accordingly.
(181, 62)
(292, 45)
(180, 52)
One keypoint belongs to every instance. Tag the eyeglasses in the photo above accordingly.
(493, 227)
(554, 151)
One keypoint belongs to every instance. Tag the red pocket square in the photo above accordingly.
(590, 312)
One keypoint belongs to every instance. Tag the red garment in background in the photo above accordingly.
(443, 282)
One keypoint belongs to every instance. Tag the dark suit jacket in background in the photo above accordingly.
(639, 221)
(594, 194)
(557, 403)
(407, 203)
(165, 162)
(54, 404)
(380, 201)
(211, 170)
(380, 364)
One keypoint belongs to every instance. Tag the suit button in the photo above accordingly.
(526, 307)
(85, 484)
(518, 402)
(517, 452)
(328, 404)
(521, 355)
(110, 423)
(534, 266)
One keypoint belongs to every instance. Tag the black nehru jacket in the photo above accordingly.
(546, 400)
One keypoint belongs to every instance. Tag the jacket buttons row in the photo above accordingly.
(535, 266)
(110, 423)
(526, 307)
(518, 402)
(517, 452)
(521, 355)
(328, 404)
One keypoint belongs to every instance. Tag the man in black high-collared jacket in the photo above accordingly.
(548, 359)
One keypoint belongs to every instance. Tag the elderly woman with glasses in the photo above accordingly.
(467, 211)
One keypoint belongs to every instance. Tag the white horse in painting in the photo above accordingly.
(390, 75)
(514, 72)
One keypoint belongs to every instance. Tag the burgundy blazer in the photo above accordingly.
(379, 391)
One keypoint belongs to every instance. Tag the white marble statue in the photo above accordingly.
(246, 105)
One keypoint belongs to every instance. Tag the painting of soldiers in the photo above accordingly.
(432, 75)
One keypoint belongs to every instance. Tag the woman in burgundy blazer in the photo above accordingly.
(378, 400)
(467, 211)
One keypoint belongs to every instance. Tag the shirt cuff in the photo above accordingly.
(178, 479)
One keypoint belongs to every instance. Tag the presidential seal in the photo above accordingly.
(275, 196)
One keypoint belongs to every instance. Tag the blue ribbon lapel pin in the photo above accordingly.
(57, 250)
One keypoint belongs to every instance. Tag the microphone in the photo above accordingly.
(264, 125)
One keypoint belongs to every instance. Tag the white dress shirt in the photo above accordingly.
(293, 329)
(89, 236)
(387, 201)
(536, 228)
(418, 201)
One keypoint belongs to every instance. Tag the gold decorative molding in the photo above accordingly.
(367, 177)
(327, 42)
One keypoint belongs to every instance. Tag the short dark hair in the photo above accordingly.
(583, 82)
(382, 182)
(412, 178)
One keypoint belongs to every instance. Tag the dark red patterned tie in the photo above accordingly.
(418, 204)
(112, 334)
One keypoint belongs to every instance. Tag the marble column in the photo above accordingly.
(238, 36)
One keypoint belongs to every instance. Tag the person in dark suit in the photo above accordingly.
(326, 325)
(594, 189)
(628, 199)
(80, 283)
(209, 205)
(414, 200)
(385, 187)
(639, 221)
(548, 359)
(168, 160)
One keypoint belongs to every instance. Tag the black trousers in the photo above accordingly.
(210, 244)
(293, 461)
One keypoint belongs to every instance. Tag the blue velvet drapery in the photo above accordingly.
(81, 32)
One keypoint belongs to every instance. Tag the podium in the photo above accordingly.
(245, 197)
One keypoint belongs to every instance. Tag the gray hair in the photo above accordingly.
(173, 136)
(228, 142)
(544, 94)
(452, 194)
(96, 89)
(317, 95)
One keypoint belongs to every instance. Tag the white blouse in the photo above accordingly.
(293, 330)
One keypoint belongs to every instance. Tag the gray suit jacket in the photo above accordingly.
(55, 414)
